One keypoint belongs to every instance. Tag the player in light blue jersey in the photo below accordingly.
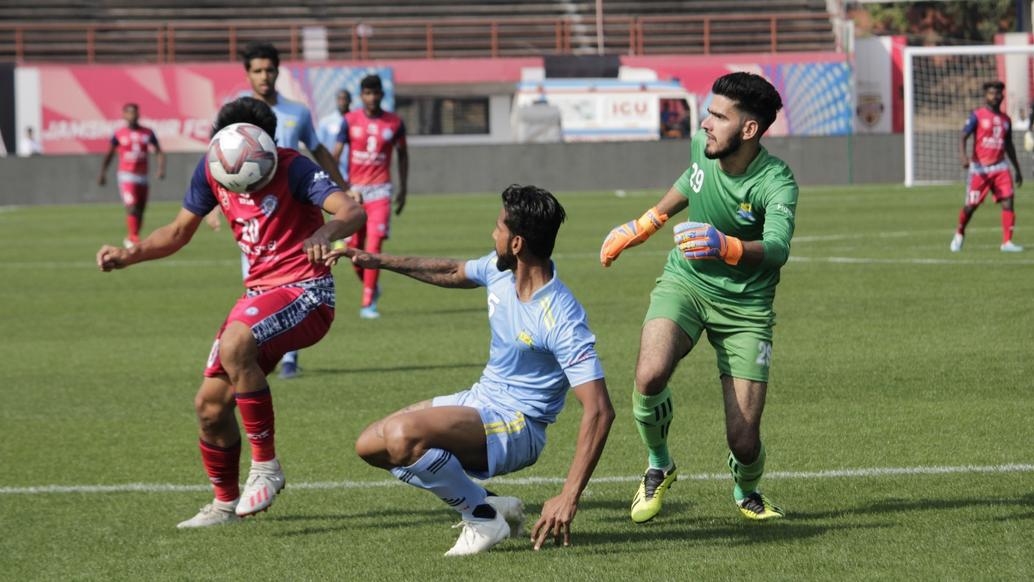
(541, 348)
(330, 125)
(293, 127)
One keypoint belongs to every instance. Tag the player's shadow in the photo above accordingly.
(363, 520)
(421, 368)
(889, 506)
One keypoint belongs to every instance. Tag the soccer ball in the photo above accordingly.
(242, 157)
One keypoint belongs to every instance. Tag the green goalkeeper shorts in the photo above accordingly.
(741, 335)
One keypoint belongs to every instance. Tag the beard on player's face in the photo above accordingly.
(506, 260)
(720, 150)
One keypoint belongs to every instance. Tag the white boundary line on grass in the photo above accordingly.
(523, 481)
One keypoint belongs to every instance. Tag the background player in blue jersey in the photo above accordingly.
(541, 347)
(293, 126)
(330, 125)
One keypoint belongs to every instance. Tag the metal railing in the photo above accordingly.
(187, 41)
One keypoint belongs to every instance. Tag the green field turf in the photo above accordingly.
(890, 352)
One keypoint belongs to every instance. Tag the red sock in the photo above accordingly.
(133, 226)
(1008, 222)
(963, 221)
(257, 413)
(369, 285)
(223, 466)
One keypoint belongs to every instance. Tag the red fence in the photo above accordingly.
(169, 42)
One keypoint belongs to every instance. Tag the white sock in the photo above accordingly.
(441, 473)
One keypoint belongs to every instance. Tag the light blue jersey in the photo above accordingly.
(327, 131)
(539, 349)
(294, 125)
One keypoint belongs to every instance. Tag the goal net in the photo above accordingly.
(942, 86)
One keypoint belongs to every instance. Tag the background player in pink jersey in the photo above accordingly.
(988, 170)
(289, 304)
(371, 133)
(132, 142)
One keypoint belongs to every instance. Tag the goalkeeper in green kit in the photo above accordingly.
(720, 278)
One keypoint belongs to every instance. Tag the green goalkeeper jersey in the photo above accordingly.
(758, 205)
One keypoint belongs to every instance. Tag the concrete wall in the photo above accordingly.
(489, 168)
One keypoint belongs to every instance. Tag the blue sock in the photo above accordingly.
(441, 473)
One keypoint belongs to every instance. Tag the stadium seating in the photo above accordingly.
(207, 30)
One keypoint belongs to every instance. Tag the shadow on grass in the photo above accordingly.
(888, 506)
(343, 371)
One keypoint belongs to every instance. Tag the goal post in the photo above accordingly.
(942, 85)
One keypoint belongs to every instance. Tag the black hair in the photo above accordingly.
(994, 85)
(128, 105)
(246, 110)
(535, 215)
(753, 95)
(371, 82)
(259, 50)
(345, 91)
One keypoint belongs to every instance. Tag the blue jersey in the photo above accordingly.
(539, 349)
(294, 125)
(327, 131)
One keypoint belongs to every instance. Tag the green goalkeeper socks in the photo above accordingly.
(652, 418)
(747, 477)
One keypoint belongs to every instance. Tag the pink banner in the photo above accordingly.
(178, 102)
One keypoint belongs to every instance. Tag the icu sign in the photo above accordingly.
(631, 110)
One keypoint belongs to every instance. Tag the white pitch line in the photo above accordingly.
(524, 481)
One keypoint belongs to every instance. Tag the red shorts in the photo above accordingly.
(132, 189)
(377, 227)
(998, 183)
(282, 319)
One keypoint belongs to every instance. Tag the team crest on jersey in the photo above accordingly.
(985, 123)
(268, 205)
(745, 212)
(356, 132)
(525, 338)
(387, 134)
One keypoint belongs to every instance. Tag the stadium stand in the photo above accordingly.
(211, 30)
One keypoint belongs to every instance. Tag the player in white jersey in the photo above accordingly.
(541, 347)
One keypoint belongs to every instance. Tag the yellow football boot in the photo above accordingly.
(648, 499)
(757, 506)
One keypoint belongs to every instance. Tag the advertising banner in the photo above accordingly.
(77, 108)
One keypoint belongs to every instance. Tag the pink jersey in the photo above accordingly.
(370, 141)
(271, 224)
(132, 146)
(991, 129)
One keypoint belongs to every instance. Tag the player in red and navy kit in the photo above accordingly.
(132, 143)
(371, 133)
(988, 170)
(289, 305)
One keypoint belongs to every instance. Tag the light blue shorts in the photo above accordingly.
(513, 441)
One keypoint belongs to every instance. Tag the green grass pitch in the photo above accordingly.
(890, 352)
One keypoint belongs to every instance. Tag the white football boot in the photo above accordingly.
(956, 243)
(265, 480)
(512, 510)
(215, 513)
(479, 536)
(1011, 247)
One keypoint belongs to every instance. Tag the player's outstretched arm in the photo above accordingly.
(160, 243)
(448, 273)
(348, 217)
(636, 232)
(597, 417)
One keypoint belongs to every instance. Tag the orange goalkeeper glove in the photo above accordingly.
(630, 234)
(699, 240)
